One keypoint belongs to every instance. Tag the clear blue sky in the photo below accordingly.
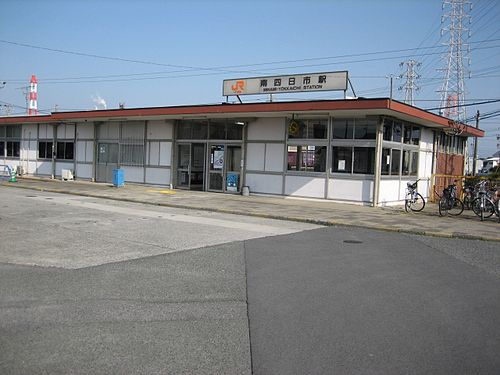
(191, 46)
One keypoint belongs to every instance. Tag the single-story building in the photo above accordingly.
(354, 150)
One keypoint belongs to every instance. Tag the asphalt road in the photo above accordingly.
(352, 301)
(90, 286)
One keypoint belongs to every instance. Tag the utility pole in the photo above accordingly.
(474, 159)
(411, 77)
(452, 91)
(390, 76)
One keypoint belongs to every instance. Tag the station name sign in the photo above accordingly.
(332, 81)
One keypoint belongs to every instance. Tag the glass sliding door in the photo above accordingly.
(233, 169)
(225, 168)
(190, 166)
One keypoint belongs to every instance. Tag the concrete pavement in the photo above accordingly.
(427, 222)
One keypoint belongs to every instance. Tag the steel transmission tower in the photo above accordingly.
(454, 22)
(411, 77)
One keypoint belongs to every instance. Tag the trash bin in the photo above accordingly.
(118, 177)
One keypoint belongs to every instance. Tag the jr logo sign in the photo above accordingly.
(238, 87)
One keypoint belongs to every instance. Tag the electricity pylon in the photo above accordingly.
(411, 76)
(454, 22)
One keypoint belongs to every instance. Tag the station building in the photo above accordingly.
(353, 150)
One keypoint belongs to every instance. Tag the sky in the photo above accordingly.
(160, 53)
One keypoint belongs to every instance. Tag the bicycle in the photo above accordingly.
(485, 205)
(413, 199)
(450, 204)
(469, 196)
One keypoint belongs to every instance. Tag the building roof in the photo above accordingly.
(379, 106)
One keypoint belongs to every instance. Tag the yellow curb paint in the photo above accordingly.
(161, 191)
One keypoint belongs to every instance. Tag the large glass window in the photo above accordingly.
(217, 129)
(343, 129)
(307, 158)
(2, 149)
(364, 160)
(414, 163)
(342, 159)
(387, 130)
(395, 161)
(365, 129)
(307, 129)
(386, 161)
(397, 131)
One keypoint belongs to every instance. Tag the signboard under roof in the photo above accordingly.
(332, 81)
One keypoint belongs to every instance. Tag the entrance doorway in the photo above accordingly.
(190, 166)
(107, 160)
(225, 168)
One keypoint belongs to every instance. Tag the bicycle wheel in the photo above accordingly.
(443, 206)
(417, 203)
(407, 202)
(468, 202)
(485, 211)
(455, 207)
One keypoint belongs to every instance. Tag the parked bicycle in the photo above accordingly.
(470, 193)
(413, 199)
(487, 203)
(450, 204)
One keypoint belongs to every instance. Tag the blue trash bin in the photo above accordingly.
(118, 177)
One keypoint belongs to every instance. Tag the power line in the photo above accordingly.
(464, 105)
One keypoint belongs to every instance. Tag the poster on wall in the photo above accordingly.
(232, 182)
(341, 165)
(218, 159)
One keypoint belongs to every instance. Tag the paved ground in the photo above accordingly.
(89, 231)
(91, 286)
(345, 301)
(319, 212)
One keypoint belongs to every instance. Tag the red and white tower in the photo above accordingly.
(33, 105)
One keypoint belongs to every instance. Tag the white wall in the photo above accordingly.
(313, 187)
(267, 129)
(84, 171)
(159, 129)
(160, 176)
(275, 153)
(426, 139)
(45, 131)
(85, 130)
(44, 168)
(63, 165)
(266, 184)
(160, 153)
(133, 174)
(66, 131)
(350, 190)
(390, 192)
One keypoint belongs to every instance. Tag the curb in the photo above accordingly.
(269, 216)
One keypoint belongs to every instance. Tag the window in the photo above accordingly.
(415, 135)
(132, 154)
(13, 148)
(44, 150)
(387, 130)
(407, 134)
(218, 129)
(64, 150)
(2, 149)
(414, 163)
(307, 158)
(397, 131)
(365, 129)
(307, 129)
(395, 162)
(343, 129)
(364, 160)
(342, 159)
(405, 170)
(386, 161)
